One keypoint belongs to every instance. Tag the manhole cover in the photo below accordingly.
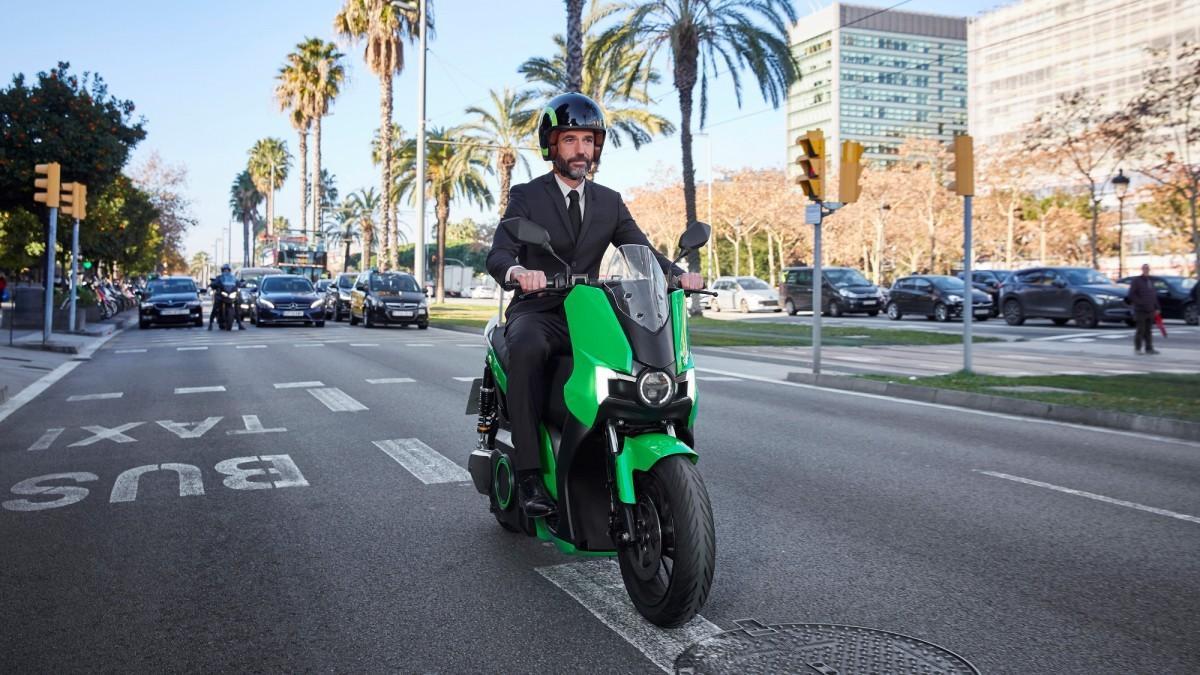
(815, 648)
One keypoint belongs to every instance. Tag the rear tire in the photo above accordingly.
(143, 325)
(320, 324)
(668, 570)
(353, 319)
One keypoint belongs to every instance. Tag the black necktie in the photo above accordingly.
(573, 211)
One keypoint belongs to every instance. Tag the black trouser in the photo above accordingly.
(219, 305)
(1143, 333)
(534, 338)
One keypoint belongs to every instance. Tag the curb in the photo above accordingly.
(1093, 417)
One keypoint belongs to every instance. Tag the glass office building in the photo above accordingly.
(877, 77)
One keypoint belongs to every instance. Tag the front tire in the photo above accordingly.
(353, 319)
(835, 309)
(668, 569)
(1013, 314)
(941, 313)
(745, 308)
(1191, 314)
(1084, 314)
(790, 307)
(893, 312)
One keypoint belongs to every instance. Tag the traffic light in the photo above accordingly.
(87, 264)
(812, 164)
(963, 166)
(48, 182)
(74, 200)
(850, 172)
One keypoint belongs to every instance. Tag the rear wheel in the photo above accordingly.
(1084, 314)
(353, 319)
(893, 312)
(1013, 314)
(668, 568)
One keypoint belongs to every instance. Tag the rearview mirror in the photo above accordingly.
(526, 231)
(694, 236)
(360, 286)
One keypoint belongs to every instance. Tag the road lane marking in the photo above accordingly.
(44, 382)
(47, 439)
(129, 351)
(469, 378)
(364, 344)
(199, 390)
(1080, 340)
(100, 433)
(716, 378)
(181, 429)
(391, 380)
(419, 344)
(251, 346)
(191, 349)
(467, 345)
(125, 489)
(95, 397)
(1092, 495)
(299, 385)
(597, 585)
(318, 344)
(422, 461)
(1126, 372)
(253, 426)
(336, 400)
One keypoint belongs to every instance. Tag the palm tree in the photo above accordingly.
(396, 137)
(454, 170)
(244, 199)
(326, 75)
(362, 207)
(291, 93)
(198, 267)
(616, 76)
(268, 167)
(344, 230)
(574, 45)
(383, 26)
(329, 198)
(700, 35)
(507, 127)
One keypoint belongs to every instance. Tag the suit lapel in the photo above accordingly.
(591, 204)
(556, 196)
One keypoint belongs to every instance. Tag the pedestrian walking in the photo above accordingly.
(1144, 299)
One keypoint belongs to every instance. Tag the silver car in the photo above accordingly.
(743, 294)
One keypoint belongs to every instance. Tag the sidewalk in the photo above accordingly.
(27, 360)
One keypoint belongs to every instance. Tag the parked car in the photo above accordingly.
(248, 280)
(1176, 297)
(170, 300)
(744, 294)
(938, 297)
(989, 282)
(844, 290)
(388, 298)
(337, 296)
(1062, 294)
(287, 298)
(322, 285)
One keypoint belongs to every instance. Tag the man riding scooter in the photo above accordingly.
(218, 284)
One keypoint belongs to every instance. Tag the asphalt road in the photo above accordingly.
(299, 544)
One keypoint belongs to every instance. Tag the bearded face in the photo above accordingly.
(575, 153)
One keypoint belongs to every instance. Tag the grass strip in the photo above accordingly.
(1156, 394)
(707, 332)
(473, 316)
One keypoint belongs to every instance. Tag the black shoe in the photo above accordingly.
(210, 326)
(534, 500)
(1150, 351)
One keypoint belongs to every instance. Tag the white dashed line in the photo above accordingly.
(717, 378)
(198, 390)
(319, 344)
(422, 461)
(364, 344)
(94, 397)
(299, 385)
(47, 439)
(130, 351)
(251, 346)
(1092, 495)
(191, 349)
(336, 400)
(391, 380)
(465, 379)
(419, 344)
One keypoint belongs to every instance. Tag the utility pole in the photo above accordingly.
(50, 183)
(419, 247)
(74, 198)
(964, 185)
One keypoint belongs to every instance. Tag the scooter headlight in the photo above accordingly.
(655, 388)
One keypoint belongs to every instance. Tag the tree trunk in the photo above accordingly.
(318, 224)
(1195, 192)
(508, 160)
(737, 250)
(443, 219)
(304, 181)
(574, 45)
(750, 254)
(685, 82)
(346, 258)
(270, 211)
(368, 243)
(385, 141)
(716, 251)
(1095, 221)
(771, 257)
(1008, 253)
(878, 266)
(246, 236)
(394, 238)
(1042, 244)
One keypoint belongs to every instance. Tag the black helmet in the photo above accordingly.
(570, 111)
(225, 267)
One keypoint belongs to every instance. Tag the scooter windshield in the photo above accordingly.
(639, 290)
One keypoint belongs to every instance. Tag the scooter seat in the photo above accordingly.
(495, 337)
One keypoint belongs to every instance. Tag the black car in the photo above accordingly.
(988, 281)
(170, 300)
(322, 285)
(939, 298)
(337, 296)
(248, 280)
(1176, 297)
(1062, 294)
(844, 290)
(382, 298)
(287, 298)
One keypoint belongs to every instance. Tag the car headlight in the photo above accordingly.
(147, 305)
(343, 296)
(317, 303)
(655, 388)
(1104, 297)
(954, 298)
(263, 302)
(194, 303)
(845, 292)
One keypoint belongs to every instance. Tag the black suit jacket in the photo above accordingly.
(606, 221)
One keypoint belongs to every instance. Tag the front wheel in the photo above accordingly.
(745, 308)
(941, 313)
(835, 309)
(790, 307)
(894, 312)
(1013, 315)
(1085, 315)
(1191, 314)
(668, 567)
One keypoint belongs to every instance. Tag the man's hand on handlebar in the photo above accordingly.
(530, 280)
(691, 281)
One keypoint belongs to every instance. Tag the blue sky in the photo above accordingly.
(202, 74)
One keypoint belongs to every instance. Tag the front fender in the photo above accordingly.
(641, 453)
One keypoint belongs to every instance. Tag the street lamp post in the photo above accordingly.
(1121, 187)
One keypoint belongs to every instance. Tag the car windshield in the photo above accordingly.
(393, 283)
(948, 283)
(286, 285)
(1183, 283)
(846, 278)
(637, 285)
(752, 284)
(1082, 277)
(346, 281)
(166, 286)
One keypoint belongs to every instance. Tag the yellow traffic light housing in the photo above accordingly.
(812, 164)
(963, 166)
(74, 200)
(850, 172)
(48, 182)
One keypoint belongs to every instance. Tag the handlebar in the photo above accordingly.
(557, 283)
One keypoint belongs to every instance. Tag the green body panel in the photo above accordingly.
(549, 463)
(683, 347)
(497, 372)
(640, 453)
(596, 340)
(567, 547)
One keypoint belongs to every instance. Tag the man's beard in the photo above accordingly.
(564, 168)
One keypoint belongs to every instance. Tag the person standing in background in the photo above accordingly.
(1144, 299)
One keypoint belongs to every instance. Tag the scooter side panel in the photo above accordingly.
(596, 341)
(683, 348)
(641, 453)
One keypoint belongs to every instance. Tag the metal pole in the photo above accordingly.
(51, 238)
(711, 271)
(969, 290)
(229, 242)
(74, 274)
(1120, 237)
(419, 246)
(818, 286)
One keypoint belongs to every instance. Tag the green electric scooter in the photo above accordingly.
(617, 444)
